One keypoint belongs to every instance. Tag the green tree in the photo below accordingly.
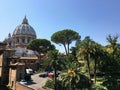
(85, 52)
(72, 76)
(97, 55)
(53, 56)
(113, 43)
(73, 51)
(65, 37)
(90, 51)
(41, 46)
(111, 65)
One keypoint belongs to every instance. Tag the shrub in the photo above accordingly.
(49, 84)
(98, 87)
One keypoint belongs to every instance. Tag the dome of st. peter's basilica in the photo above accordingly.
(23, 34)
(20, 38)
(24, 29)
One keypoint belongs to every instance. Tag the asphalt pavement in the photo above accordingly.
(37, 82)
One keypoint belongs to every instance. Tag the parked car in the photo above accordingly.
(44, 74)
(51, 74)
(23, 81)
(29, 71)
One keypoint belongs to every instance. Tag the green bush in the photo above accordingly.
(49, 84)
(98, 87)
(83, 83)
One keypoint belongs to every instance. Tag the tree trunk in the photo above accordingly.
(65, 49)
(95, 71)
(88, 64)
(55, 77)
(68, 48)
(70, 86)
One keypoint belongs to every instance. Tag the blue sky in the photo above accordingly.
(94, 18)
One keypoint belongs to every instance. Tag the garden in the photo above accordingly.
(86, 66)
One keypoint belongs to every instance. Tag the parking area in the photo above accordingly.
(37, 82)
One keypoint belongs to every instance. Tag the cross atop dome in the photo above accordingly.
(25, 21)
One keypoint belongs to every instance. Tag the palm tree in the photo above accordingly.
(72, 76)
(85, 52)
(112, 64)
(53, 55)
(90, 50)
(97, 55)
(113, 42)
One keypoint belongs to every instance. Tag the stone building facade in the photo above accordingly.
(20, 38)
(15, 58)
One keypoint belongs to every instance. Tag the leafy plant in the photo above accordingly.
(98, 87)
(49, 84)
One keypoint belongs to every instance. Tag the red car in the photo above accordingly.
(51, 74)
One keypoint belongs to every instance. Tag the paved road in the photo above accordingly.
(37, 82)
